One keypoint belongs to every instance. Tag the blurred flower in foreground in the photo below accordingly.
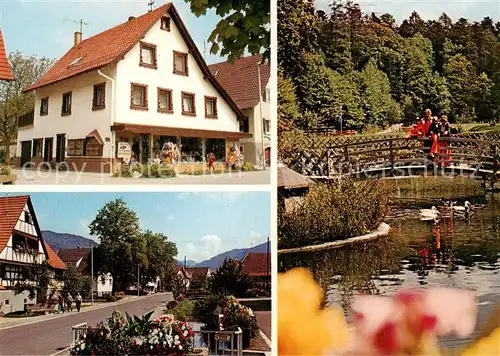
(407, 323)
(304, 328)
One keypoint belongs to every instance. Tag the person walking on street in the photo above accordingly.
(69, 302)
(61, 303)
(78, 301)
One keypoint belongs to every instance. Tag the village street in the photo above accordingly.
(51, 178)
(53, 334)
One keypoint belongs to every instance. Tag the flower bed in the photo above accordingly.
(136, 336)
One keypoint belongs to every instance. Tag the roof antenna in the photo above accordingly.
(151, 4)
(80, 22)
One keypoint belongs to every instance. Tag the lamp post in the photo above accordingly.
(92, 271)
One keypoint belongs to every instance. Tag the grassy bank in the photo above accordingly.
(333, 211)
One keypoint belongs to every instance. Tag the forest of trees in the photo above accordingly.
(365, 69)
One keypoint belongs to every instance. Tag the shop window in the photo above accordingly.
(217, 147)
(191, 149)
(76, 147)
(37, 147)
(93, 147)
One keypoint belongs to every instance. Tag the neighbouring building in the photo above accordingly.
(184, 276)
(5, 71)
(247, 80)
(127, 92)
(22, 244)
(257, 266)
(80, 259)
(193, 275)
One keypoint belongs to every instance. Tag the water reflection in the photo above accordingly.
(450, 252)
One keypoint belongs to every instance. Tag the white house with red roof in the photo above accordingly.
(129, 91)
(21, 244)
(247, 80)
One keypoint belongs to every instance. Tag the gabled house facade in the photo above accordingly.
(247, 80)
(5, 71)
(21, 244)
(79, 258)
(257, 266)
(126, 93)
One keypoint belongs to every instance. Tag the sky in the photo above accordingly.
(428, 9)
(46, 28)
(202, 224)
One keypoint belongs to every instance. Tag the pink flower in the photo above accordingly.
(390, 325)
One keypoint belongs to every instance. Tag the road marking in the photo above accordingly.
(89, 309)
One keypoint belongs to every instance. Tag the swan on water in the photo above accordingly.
(429, 214)
(463, 209)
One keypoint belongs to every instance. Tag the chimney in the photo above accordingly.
(78, 38)
(130, 18)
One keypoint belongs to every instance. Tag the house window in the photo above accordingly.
(44, 106)
(165, 103)
(27, 217)
(37, 147)
(148, 55)
(267, 96)
(99, 99)
(244, 126)
(13, 273)
(139, 96)
(165, 23)
(76, 147)
(267, 126)
(6, 300)
(66, 104)
(180, 63)
(188, 104)
(210, 107)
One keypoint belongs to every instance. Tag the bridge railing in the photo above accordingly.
(390, 154)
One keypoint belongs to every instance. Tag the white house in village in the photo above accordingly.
(21, 244)
(247, 80)
(128, 91)
(79, 258)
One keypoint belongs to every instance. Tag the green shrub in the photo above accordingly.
(204, 311)
(183, 311)
(247, 167)
(157, 171)
(125, 171)
(5, 170)
(333, 211)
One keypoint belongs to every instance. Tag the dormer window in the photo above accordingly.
(148, 55)
(165, 23)
(75, 62)
(180, 63)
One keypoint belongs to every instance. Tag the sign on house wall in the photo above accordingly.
(124, 150)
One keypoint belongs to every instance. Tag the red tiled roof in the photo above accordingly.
(241, 79)
(196, 272)
(5, 71)
(11, 208)
(111, 46)
(52, 258)
(256, 264)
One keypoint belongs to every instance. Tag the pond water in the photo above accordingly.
(450, 252)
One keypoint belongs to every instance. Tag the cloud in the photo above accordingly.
(211, 246)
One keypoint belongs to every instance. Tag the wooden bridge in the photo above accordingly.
(474, 156)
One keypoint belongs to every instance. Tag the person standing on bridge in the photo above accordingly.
(444, 150)
(434, 132)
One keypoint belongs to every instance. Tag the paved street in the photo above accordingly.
(52, 335)
(51, 178)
